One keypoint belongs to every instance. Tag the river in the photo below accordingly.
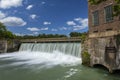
(27, 65)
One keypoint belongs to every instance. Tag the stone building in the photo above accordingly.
(104, 30)
(101, 19)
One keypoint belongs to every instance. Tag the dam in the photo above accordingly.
(50, 60)
(73, 48)
(70, 46)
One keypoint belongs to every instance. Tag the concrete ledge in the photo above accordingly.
(103, 34)
(74, 39)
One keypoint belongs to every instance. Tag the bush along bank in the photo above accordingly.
(85, 58)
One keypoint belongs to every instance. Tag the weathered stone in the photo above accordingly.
(3, 46)
(9, 45)
(104, 39)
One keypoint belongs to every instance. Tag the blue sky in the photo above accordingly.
(34, 17)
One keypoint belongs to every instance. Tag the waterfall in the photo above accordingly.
(72, 48)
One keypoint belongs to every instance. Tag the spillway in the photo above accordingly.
(73, 48)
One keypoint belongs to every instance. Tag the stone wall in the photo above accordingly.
(3, 46)
(13, 45)
(104, 51)
(9, 46)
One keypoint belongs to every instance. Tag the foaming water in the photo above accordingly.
(40, 58)
(29, 65)
(72, 48)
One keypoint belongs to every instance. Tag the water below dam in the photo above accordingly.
(41, 62)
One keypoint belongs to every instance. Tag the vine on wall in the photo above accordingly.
(95, 2)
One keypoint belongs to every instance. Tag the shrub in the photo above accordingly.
(86, 58)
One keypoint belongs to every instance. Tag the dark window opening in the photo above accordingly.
(95, 18)
(95, 31)
(109, 13)
(109, 29)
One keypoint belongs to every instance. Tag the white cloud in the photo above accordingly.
(46, 23)
(54, 30)
(78, 23)
(13, 21)
(77, 27)
(78, 19)
(63, 28)
(44, 29)
(33, 16)
(36, 33)
(5, 4)
(82, 23)
(43, 3)
(29, 34)
(29, 7)
(33, 29)
(71, 23)
(19, 34)
(2, 15)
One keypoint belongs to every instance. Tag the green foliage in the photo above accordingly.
(117, 37)
(117, 8)
(95, 2)
(92, 2)
(2, 27)
(83, 37)
(4, 33)
(117, 1)
(51, 36)
(9, 35)
(2, 30)
(86, 58)
(72, 34)
(75, 34)
(41, 36)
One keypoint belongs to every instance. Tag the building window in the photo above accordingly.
(95, 18)
(108, 13)
(95, 31)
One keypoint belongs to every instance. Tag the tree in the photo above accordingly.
(4, 33)
(2, 30)
(95, 2)
(117, 8)
(2, 27)
(51, 36)
(9, 35)
(75, 34)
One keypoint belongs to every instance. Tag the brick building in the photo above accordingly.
(101, 21)
(104, 35)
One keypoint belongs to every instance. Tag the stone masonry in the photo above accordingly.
(103, 43)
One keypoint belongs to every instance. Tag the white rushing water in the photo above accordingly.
(41, 58)
(65, 48)
(45, 54)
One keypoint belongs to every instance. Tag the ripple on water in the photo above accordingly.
(71, 72)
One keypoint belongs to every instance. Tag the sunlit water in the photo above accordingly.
(48, 66)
